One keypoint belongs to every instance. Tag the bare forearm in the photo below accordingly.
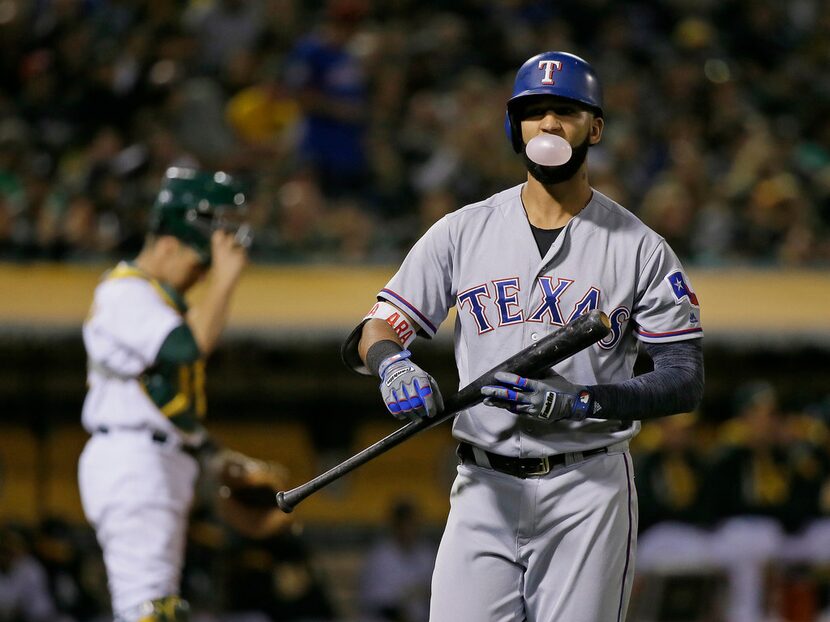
(208, 318)
(373, 332)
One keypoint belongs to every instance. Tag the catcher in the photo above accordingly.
(146, 398)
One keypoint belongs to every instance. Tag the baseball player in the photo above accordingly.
(146, 396)
(543, 513)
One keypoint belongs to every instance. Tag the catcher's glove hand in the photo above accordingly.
(246, 493)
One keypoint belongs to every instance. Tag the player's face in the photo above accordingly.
(185, 267)
(562, 117)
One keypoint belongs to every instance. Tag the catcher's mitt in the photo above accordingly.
(246, 493)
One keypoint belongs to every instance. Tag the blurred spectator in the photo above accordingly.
(752, 497)
(277, 577)
(297, 230)
(751, 475)
(808, 441)
(264, 116)
(224, 29)
(24, 585)
(669, 208)
(328, 81)
(396, 574)
(670, 476)
(670, 487)
(72, 570)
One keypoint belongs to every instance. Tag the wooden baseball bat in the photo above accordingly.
(584, 331)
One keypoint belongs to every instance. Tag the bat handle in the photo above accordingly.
(285, 505)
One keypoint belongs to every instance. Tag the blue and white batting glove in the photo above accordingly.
(408, 391)
(534, 398)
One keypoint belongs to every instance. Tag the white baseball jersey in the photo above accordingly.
(131, 316)
(483, 260)
(137, 485)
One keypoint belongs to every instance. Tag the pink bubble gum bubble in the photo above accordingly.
(548, 150)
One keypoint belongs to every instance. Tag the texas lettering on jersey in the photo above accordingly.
(504, 307)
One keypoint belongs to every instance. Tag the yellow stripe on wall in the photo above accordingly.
(735, 301)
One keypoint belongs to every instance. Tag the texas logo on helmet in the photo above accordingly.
(549, 66)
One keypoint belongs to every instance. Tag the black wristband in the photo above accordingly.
(379, 351)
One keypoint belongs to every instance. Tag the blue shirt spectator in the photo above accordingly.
(328, 81)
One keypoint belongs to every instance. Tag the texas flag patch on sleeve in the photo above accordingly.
(680, 289)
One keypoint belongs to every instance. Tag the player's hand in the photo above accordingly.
(408, 391)
(537, 399)
(228, 256)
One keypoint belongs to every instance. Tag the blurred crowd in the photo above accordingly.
(54, 572)
(746, 502)
(356, 124)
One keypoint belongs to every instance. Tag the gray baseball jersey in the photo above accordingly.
(483, 260)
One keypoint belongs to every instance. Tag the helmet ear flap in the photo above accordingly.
(513, 129)
(514, 132)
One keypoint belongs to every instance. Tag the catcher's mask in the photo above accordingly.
(192, 204)
(551, 74)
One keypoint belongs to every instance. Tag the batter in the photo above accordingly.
(543, 518)
(146, 396)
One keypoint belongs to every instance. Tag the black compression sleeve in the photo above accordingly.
(379, 351)
(675, 385)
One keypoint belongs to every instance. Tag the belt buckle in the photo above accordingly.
(543, 470)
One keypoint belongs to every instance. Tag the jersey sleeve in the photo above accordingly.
(422, 286)
(179, 347)
(666, 307)
(128, 324)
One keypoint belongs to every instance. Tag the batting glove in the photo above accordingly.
(534, 398)
(408, 391)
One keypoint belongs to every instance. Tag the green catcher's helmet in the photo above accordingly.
(192, 204)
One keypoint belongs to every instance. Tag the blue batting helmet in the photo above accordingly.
(557, 74)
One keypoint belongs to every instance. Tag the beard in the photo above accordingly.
(547, 175)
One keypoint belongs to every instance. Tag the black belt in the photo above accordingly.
(157, 436)
(523, 467)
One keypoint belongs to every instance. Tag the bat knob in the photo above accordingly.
(284, 505)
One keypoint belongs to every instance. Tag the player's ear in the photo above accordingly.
(595, 134)
(167, 246)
